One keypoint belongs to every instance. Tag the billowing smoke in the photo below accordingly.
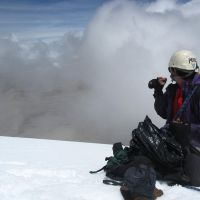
(91, 85)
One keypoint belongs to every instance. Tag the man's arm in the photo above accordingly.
(160, 104)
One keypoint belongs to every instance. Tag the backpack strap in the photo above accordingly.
(94, 172)
(112, 182)
(191, 187)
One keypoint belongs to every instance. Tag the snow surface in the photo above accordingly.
(33, 169)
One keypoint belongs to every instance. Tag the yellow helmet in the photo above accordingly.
(184, 60)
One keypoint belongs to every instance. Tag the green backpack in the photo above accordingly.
(122, 159)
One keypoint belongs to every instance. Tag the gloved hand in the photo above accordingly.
(157, 83)
(181, 131)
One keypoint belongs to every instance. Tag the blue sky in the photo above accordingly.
(25, 14)
(54, 16)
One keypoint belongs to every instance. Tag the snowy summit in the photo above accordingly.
(33, 169)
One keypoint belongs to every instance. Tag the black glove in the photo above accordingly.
(154, 83)
(181, 132)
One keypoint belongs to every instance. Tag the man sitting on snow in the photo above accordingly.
(180, 106)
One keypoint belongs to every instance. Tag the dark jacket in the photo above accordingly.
(164, 103)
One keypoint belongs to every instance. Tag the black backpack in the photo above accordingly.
(122, 159)
(140, 180)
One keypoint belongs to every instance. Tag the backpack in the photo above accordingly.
(122, 159)
(158, 144)
(139, 180)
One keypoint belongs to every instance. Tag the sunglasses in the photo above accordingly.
(170, 69)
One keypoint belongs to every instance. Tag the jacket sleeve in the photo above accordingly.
(160, 104)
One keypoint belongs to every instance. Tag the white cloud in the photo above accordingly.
(162, 6)
(191, 9)
(93, 82)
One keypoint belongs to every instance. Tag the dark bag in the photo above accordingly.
(122, 159)
(158, 145)
(140, 180)
(117, 164)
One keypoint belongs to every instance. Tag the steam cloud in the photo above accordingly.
(91, 85)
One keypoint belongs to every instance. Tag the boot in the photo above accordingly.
(157, 193)
(128, 196)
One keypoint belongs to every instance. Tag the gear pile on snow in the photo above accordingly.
(153, 154)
